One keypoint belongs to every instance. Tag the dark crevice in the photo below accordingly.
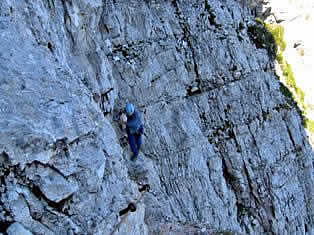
(250, 184)
(234, 68)
(241, 211)
(241, 26)
(6, 170)
(56, 205)
(212, 16)
(81, 138)
(102, 26)
(238, 146)
(50, 47)
(240, 38)
(4, 156)
(67, 21)
(4, 160)
(226, 174)
(35, 215)
(2, 180)
(290, 136)
(187, 36)
(196, 70)
(262, 38)
(38, 163)
(4, 225)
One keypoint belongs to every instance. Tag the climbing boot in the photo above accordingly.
(133, 157)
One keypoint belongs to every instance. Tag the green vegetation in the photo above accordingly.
(278, 33)
(309, 124)
(287, 72)
(292, 90)
(263, 38)
(280, 58)
(259, 21)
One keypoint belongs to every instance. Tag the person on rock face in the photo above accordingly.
(134, 129)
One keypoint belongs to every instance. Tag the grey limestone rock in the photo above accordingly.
(224, 151)
(18, 229)
(52, 184)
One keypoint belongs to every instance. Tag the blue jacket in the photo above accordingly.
(134, 124)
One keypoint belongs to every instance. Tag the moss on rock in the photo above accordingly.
(292, 90)
(263, 38)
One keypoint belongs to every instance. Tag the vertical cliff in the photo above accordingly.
(224, 150)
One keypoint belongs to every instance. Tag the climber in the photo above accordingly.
(134, 129)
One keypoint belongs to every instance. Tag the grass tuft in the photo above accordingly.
(292, 91)
(309, 124)
(278, 33)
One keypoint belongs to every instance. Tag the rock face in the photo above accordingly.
(224, 150)
(17, 228)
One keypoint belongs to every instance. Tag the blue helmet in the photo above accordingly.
(129, 109)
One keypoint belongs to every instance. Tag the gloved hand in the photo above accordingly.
(123, 121)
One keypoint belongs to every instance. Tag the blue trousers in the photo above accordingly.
(135, 142)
